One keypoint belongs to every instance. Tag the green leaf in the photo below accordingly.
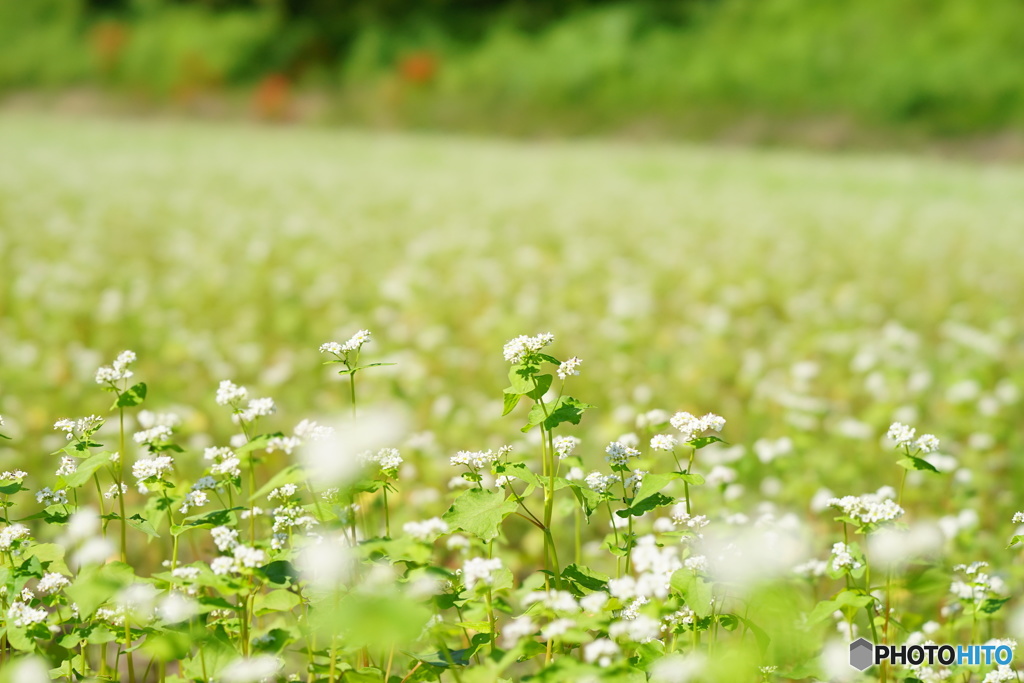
(912, 463)
(139, 522)
(653, 483)
(95, 585)
(293, 474)
(993, 605)
(845, 599)
(692, 478)
(276, 601)
(205, 521)
(696, 591)
(480, 512)
(280, 572)
(511, 401)
(655, 500)
(704, 441)
(565, 409)
(8, 489)
(132, 396)
(88, 467)
(585, 577)
(1015, 540)
(520, 378)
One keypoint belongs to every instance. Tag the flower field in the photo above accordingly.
(284, 404)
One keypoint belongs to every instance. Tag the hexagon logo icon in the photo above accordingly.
(862, 654)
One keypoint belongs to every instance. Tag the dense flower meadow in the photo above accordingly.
(144, 561)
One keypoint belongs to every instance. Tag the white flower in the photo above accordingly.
(251, 670)
(479, 570)
(307, 430)
(594, 602)
(927, 443)
(51, 583)
(193, 499)
(148, 468)
(663, 442)
(48, 497)
(158, 434)
(283, 492)
(601, 651)
(78, 428)
(22, 615)
(565, 445)
(600, 483)
(68, 466)
(691, 426)
(427, 529)
(13, 475)
(518, 349)
(697, 564)
(869, 508)
(224, 538)
(186, 573)
(286, 444)
(108, 374)
(474, 459)
(619, 453)
(569, 367)
(901, 434)
(642, 629)
(555, 600)
(257, 407)
(516, 630)
(842, 559)
(1018, 517)
(229, 393)
(112, 492)
(556, 628)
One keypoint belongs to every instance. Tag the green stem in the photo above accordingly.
(120, 498)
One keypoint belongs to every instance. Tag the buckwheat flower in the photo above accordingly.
(619, 453)
(193, 499)
(868, 508)
(156, 435)
(48, 497)
(224, 538)
(680, 517)
(556, 629)
(51, 583)
(186, 573)
(149, 468)
(283, 492)
(901, 434)
(112, 492)
(663, 442)
(230, 467)
(555, 600)
(13, 475)
(426, 530)
(1018, 517)
(842, 559)
(601, 651)
(636, 478)
(565, 445)
(78, 428)
(681, 617)
(569, 367)
(307, 430)
(68, 466)
(389, 459)
(206, 483)
(688, 425)
(257, 407)
(229, 393)
(927, 443)
(22, 615)
(108, 374)
(287, 444)
(223, 565)
(697, 564)
(516, 630)
(599, 483)
(622, 588)
(251, 669)
(642, 629)
(474, 459)
(593, 602)
(249, 557)
(479, 570)
(519, 349)
(148, 419)
(1000, 674)
(575, 474)
(331, 347)
(356, 341)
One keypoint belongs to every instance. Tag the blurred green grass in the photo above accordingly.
(846, 69)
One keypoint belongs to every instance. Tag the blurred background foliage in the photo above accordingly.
(938, 68)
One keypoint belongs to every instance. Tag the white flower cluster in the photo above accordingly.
(283, 492)
(601, 652)
(148, 419)
(518, 349)
(691, 426)
(13, 475)
(480, 570)
(388, 460)
(842, 558)
(680, 517)
(516, 630)
(427, 529)
(47, 497)
(565, 445)
(225, 462)
(1003, 673)
(977, 585)
(112, 492)
(229, 393)
(569, 367)
(353, 344)
(663, 442)
(14, 536)
(242, 557)
(308, 430)
(68, 466)
(193, 499)
(477, 459)
(554, 600)
(108, 374)
(225, 538)
(642, 629)
(149, 468)
(870, 508)
(258, 407)
(600, 483)
(77, 428)
(903, 436)
(619, 453)
(1018, 517)
(21, 615)
(51, 583)
(155, 435)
